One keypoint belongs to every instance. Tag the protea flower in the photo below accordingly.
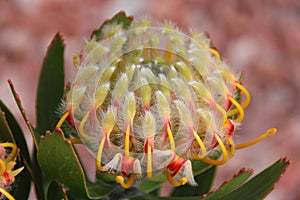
(7, 163)
(150, 99)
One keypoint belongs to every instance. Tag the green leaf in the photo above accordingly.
(23, 112)
(22, 183)
(104, 176)
(149, 197)
(255, 189)
(119, 18)
(16, 131)
(58, 160)
(149, 185)
(200, 167)
(97, 191)
(6, 134)
(56, 191)
(262, 184)
(11, 131)
(34, 169)
(204, 181)
(50, 86)
(231, 184)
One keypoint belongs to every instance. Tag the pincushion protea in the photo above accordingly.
(7, 163)
(151, 98)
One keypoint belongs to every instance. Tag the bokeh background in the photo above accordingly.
(259, 37)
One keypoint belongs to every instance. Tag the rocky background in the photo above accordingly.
(259, 37)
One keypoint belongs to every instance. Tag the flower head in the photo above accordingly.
(151, 98)
(7, 172)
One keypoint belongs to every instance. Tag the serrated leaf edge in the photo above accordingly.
(59, 132)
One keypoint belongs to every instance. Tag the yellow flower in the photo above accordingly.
(7, 163)
(151, 98)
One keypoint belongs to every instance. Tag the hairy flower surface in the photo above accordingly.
(151, 98)
(7, 163)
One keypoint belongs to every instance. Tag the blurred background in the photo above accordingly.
(259, 37)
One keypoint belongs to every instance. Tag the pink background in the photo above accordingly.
(259, 37)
